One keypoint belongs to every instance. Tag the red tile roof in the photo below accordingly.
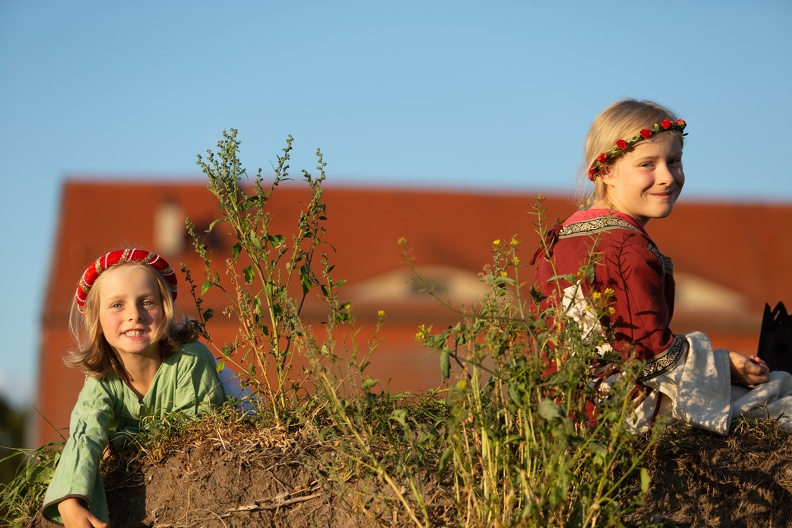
(735, 255)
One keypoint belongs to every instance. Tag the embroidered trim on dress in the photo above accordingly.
(602, 223)
(668, 264)
(666, 359)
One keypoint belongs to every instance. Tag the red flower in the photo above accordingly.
(646, 134)
(602, 157)
(681, 122)
(621, 144)
(666, 124)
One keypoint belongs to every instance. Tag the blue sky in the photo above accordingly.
(480, 96)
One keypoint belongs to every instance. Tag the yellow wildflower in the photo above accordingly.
(496, 242)
(422, 334)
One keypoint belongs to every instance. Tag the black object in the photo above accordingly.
(775, 338)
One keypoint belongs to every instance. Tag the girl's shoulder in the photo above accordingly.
(599, 221)
(194, 351)
(101, 392)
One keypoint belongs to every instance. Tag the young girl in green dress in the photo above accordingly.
(140, 357)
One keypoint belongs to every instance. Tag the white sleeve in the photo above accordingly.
(698, 386)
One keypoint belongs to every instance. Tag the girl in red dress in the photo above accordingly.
(634, 158)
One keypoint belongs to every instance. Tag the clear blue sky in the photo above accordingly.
(470, 95)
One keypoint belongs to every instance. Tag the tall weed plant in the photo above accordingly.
(518, 439)
(505, 440)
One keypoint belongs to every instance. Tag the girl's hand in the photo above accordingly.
(75, 515)
(748, 371)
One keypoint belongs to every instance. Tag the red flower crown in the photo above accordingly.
(622, 145)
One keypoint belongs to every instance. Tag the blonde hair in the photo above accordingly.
(94, 355)
(621, 120)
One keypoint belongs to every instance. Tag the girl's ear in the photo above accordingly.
(607, 173)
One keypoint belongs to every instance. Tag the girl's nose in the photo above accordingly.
(135, 314)
(665, 175)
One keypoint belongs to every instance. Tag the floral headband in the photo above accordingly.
(120, 256)
(622, 145)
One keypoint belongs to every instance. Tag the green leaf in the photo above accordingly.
(500, 281)
(305, 281)
(220, 366)
(368, 382)
(445, 364)
(444, 459)
(249, 274)
(399, 415)
(570, 278)
(549, 410)
(40, 474)
(645, 480)
(515, 395)
(254, 239)
(205, 287)
(236, 249)
(211, 226)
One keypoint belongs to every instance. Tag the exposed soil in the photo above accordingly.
(246, 477)
(700, 479)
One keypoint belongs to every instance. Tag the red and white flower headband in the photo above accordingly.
(120, 256)
(622, 145)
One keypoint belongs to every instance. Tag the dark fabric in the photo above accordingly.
(775, 338)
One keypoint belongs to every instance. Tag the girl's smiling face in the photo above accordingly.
(131, 311)
(646, 182)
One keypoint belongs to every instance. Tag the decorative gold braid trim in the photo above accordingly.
(608, 223)
(595, 225)
(666, 359)
(668, 264)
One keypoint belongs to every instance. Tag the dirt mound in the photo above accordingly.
(245, 476)
(242, 477)
(700, 479)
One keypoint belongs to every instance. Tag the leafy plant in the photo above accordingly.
(263, 269)
(22, 496)
(509, 436)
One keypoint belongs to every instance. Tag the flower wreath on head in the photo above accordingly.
(622, 145)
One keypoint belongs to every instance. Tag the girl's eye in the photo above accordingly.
(115, 305)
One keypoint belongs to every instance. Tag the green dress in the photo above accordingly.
(108, 410)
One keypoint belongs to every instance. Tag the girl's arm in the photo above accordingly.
(77, 473)
(75, 515)
(643, 297)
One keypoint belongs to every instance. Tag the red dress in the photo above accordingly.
(628, 263)
(684, 378)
